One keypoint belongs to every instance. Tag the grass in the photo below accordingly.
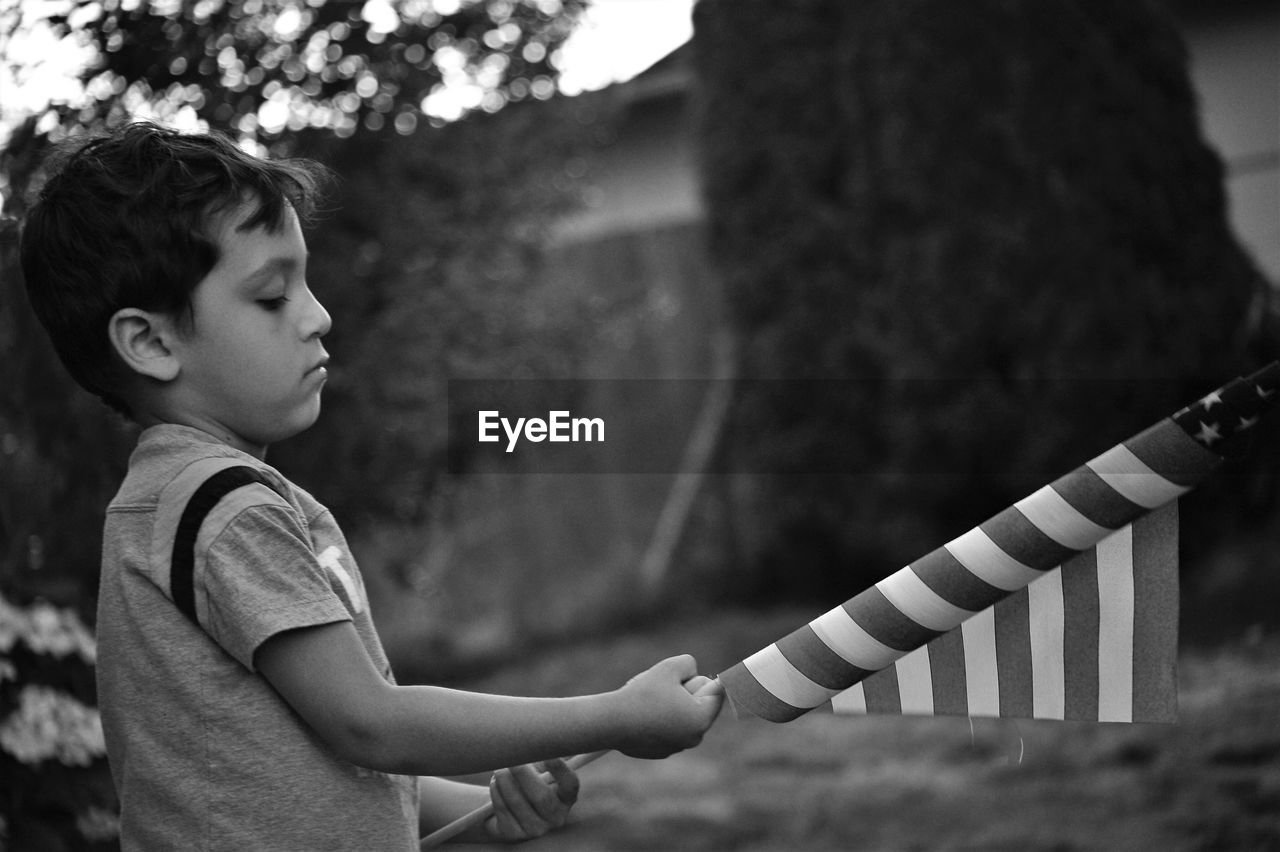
(1210, 782)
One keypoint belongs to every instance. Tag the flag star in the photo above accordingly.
(1208, 433)
(1247, 422)
(1211, 400)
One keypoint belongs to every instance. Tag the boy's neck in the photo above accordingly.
(213, 430)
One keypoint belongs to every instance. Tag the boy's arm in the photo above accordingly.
(326, 675)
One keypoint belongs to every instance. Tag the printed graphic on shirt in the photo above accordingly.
(331, 558)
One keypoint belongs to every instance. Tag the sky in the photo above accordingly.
(616, 40)
(620, 38)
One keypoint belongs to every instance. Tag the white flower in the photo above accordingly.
(51, 724)
(46, 629)
(97, 823)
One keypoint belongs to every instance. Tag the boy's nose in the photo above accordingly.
(318, 321)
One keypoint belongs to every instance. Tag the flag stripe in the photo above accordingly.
(1133, 479)
(804, 650)
(1059, 520)
(946, 662)
(983, 689)
(1097, 500)
(1013, 655)
(1115, 627)
(911, 596)
(881, 619)
(852, 700)
(776, 674)
(1172, 453)
(915, 683)
(1155, 623)
(1013, 533)
(954, 583)
(844, 636)
(749, 695)
(882, 692)
(1044, 608)
(1080, 635)
(977, 552)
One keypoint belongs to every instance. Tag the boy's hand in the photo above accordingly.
(667, 708)
(530, 800)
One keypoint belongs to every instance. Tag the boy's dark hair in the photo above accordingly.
(124, 221)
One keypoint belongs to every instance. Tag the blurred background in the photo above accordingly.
(1022, 232)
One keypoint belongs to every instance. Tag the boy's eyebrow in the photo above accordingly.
(275, 264)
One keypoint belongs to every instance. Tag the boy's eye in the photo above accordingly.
(274, 304)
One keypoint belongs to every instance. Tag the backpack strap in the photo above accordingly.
(182, 564)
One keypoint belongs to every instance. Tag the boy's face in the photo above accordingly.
(252, 365)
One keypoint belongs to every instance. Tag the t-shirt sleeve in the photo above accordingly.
(260, 577)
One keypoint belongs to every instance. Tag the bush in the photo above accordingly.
(997, 219)
(57, 793)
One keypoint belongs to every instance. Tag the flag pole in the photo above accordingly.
(705, 686)
(482, 813)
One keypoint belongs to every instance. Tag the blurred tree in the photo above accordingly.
(62, 454)
(430, 266)
(996, 222)
(268, 69)
(426, 259)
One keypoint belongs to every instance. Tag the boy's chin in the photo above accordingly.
(300, 422)
(310, 417)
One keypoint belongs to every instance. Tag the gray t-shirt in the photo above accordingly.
(204, 753)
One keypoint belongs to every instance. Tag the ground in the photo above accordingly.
(1212, 781)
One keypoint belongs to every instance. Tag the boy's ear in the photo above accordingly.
(142, 340)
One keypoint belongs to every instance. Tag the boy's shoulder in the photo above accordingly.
(171, 460)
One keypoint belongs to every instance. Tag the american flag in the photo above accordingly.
(1064, 605)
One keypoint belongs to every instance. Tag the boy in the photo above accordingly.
(245, 696)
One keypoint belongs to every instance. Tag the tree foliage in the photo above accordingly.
(268, 69)
(996, 222)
